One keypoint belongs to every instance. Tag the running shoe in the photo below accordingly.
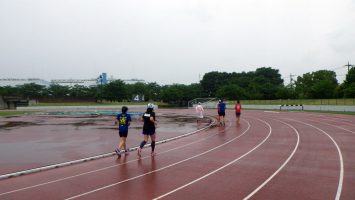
(118, 152)
(153, 153)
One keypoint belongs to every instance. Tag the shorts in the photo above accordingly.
(237, 114)
(123, 133)
(221, 114)
(149, 132)
(200, 115)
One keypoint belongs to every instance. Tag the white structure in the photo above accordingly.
(63, 82)
(133, 81)
(16, 81)
(72, 82)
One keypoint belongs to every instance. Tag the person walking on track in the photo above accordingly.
(148, 129)
(123, 120)
(221, 112)
(238, 109)
(199, 111)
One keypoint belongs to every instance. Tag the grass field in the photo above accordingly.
(96, 104)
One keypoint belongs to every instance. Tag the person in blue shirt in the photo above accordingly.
(221, 106)
(123, 120)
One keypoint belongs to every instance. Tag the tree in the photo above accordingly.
(172, 93)
(267, 82)
(350, 76)
(9, 91)
(153, 92)
(319, 84)
(241, 79)
(56, 90)
(80, 91)
(180, 94)
(212, 81)
(231, 91)
(136, 89)
(272, 76)
(31, 90)
(96, 92)
(347, 89)
(115, 91)
(286, 92)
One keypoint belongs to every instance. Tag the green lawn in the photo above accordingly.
(96, 104)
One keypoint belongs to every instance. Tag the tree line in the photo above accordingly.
(264, 83)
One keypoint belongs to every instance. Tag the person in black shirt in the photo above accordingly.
(148, 129)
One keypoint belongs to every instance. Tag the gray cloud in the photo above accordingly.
(172, 41)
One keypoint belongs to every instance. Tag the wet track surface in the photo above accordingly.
(40, 140)
(270, 155)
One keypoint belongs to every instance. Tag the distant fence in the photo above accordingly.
(292, 107)
(342, 102)
(333, 108)
(81, 108)
(340, 105)
(206, 102)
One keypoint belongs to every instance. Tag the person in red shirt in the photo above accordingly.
(238, 109)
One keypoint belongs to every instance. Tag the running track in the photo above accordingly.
(270, 155)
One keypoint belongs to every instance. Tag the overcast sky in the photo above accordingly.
(173, 41)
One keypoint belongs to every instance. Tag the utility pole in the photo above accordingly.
(349, 66)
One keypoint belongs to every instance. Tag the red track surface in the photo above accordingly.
(269, 156)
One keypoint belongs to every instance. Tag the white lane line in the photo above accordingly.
(341, 173)
(39, 169)
(268, 111)
(333, 118)
(350, 124)
(219, 169)
(160, 169)
(282, 166)
(339, 127)
(109, 167)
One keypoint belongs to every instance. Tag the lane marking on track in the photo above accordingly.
(112, 166)
(282, 166)
(268, 111)
(220, 168)
(341, 173)
(339, 127)
(333, 118)
(350, 124)
(160, 169)
(39, 169)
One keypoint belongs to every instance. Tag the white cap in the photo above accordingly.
(150, 105)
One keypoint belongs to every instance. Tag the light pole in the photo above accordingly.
(99, 88)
